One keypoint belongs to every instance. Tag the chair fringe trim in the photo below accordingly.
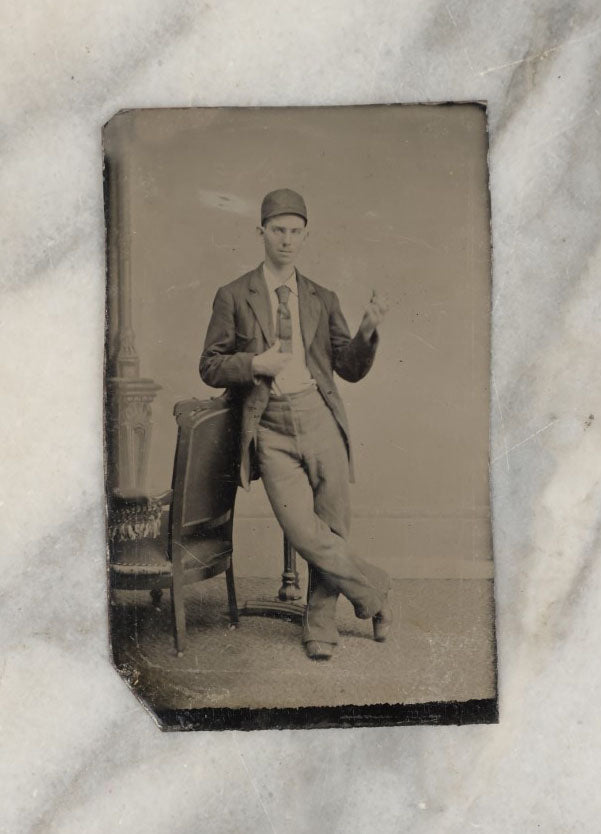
(133, 522)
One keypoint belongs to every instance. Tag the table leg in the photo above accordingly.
(290, 588)
(283, 605)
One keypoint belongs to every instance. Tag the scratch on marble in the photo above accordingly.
(540, 56)
(571, 126)
(524, 441)
(467, 54)
(376, 66)
(252, 782)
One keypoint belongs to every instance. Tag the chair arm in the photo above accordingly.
(165, 497)
(131, 497)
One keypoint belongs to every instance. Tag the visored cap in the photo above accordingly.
(282, 201)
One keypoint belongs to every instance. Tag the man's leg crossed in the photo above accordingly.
(302, 491)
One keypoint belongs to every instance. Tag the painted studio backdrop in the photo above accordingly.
(397, 200)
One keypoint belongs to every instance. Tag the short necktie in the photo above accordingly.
(284, 322)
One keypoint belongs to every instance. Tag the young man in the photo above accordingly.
(274, 341)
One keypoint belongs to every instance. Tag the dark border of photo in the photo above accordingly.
(481, 711)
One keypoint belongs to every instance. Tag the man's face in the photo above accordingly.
(283, 237)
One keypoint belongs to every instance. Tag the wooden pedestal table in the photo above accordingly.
(284, 605)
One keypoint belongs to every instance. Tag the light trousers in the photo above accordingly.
(303, 463)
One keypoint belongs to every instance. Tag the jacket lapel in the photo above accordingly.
(258, 299)
(309, 308)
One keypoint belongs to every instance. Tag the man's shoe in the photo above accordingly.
(382, 622)
(318, 651)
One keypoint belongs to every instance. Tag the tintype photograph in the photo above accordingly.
(297, 415)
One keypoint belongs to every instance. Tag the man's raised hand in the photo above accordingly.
(271, 362)
(374, 314)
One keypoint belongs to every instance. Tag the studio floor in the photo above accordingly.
(441, 649)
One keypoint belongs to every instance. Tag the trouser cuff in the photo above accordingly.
(364, 612)
(320, 637)
(322, 633)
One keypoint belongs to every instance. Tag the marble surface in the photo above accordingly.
(77, 752)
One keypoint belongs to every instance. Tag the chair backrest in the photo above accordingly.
(205, 472)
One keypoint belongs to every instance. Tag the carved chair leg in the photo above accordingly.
(231, 595)
(156, 595)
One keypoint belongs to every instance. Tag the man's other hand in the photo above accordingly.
(271, 362)
(374, 315)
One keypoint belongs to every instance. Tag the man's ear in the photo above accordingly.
(260, 231)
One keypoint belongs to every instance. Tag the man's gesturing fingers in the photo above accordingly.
(380, 302)
(376, 310)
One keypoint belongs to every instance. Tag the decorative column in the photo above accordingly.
(129, 396)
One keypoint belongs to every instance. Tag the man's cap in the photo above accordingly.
(282, 201)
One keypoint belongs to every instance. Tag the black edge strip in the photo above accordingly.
(483, 711)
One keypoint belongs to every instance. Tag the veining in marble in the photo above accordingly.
(77, 752)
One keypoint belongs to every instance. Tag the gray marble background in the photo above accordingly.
(77, 753)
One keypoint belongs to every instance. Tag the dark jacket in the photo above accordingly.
(241, 327)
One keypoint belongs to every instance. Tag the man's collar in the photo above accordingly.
(273, 282)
